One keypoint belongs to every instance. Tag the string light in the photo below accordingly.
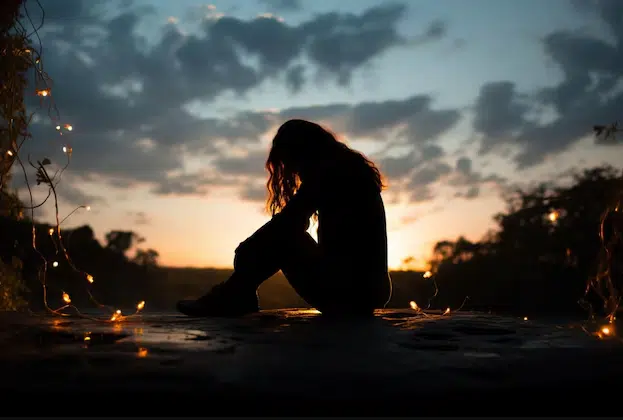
(413, 304)
(43, 177)
(116, 316)
(427, 275)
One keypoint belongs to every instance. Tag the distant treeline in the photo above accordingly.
(538, 261)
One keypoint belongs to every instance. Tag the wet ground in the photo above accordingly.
(296, 362)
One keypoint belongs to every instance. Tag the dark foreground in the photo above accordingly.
(294, 362)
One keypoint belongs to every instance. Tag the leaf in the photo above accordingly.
(46, 161)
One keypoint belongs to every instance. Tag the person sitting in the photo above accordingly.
(312, 175)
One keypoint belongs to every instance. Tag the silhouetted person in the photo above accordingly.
(345, 273)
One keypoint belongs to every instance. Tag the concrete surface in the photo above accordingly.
(295, 362)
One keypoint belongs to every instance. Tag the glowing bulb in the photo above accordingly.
(9, 152)
(447, 311)
(414, 306)
(51, 231)
(88, 208)
(606, 331)
(58, 127)
(64, 149)
(428, 274)
(142, 352)
(90, 278)
(525, 318)
(43, 92)
(55, 264)
(66, 298)
(68, 127)
(140, 305)
(87, 338)
(553, 216)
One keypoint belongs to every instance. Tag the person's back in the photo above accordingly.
(352, 232)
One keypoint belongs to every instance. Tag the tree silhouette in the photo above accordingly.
(15, 61)
(146, 258)
(121, 240)
(546, 247)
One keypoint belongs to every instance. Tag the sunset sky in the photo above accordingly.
(173, 105)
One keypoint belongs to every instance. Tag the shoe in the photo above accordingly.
(222, 301)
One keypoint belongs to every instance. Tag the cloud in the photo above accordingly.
(283, 5)
(69, 193)
(133, 100)
(590, 92)
(128, 97)
(414, 116)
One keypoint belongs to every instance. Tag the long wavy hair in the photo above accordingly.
(298, 140)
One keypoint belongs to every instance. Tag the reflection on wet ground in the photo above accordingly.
(299, 353)
(478, 336)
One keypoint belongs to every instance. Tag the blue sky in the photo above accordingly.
(456, 100)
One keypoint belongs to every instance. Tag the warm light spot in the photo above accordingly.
(51, 231)
(88, 208)
(64, 149)
(90, 278)
(606, 331)
(69, 127)
(414, 306)
(525, 318)
(142, 352)
(87, 337)
(447, 311)
(43, 92)
(553, 216)
(58, 127)
(140, 305)
(66, 298)
(428, 274)
(9, 152)
(55, 264)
